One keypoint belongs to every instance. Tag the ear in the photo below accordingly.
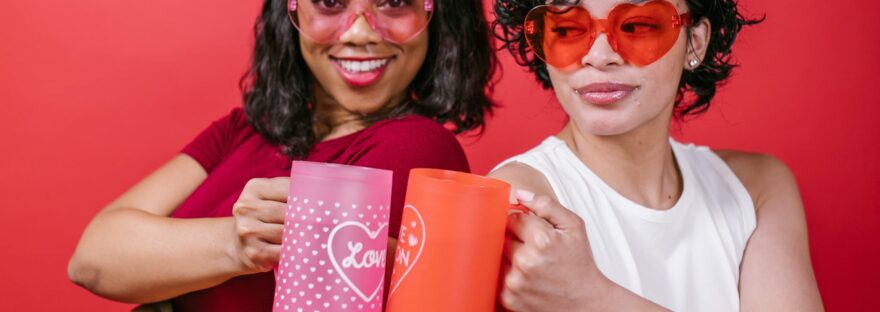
(698, 42)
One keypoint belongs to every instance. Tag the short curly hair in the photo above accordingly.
(700, 83)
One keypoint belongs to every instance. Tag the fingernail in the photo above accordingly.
(523, 195)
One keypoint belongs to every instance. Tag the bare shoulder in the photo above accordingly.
(763, 175)
(776, 273)
(523, 177)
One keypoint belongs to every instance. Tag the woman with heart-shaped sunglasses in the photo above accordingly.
(622, 217)
(369, 83)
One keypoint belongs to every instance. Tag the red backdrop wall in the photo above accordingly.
(95, 94)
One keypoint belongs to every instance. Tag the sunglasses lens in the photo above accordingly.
(560, 36)
(644, 34)
(398, 21)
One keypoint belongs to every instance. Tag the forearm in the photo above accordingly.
(134, 256)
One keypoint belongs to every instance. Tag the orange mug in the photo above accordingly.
(451, 238)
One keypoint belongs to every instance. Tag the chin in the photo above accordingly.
(364, 102)
(605, 123)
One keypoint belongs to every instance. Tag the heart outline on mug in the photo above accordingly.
(372, 235)
(396, 283)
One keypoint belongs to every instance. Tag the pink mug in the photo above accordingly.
(333, 250)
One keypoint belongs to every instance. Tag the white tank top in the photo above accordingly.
(686, 258)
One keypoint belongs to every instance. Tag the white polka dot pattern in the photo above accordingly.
(332, 256)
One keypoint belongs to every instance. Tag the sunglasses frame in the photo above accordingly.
(599, 26)
(293, 5)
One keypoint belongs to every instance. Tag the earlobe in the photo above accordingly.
(693, 64)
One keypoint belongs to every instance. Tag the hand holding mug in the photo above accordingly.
(548, 263)
(259, 217)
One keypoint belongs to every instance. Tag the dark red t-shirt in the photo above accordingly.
(233, 153)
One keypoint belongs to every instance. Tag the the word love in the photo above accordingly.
(368, 259)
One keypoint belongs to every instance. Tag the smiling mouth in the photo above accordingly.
(356, 67)
(361, 72)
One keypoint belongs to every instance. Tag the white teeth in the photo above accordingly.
(362, 66)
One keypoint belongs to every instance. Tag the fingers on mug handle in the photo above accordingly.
(275, 189)
(547, 208)
(272, 211)
(528, 228)
(273, 234)
(511, 246)
(273, 254)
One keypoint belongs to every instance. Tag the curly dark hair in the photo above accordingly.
(700, 83)
(451, 87)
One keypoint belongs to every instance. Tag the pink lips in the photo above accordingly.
(604, 93)
(359, 79)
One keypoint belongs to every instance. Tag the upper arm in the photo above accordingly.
(776, 272)
(523, 177)
(164, 189)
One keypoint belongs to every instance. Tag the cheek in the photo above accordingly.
(657, 86)
(311, 53)
(662, 83)
(415, 53)
(660, 80)
(406, 67)
(567, 99)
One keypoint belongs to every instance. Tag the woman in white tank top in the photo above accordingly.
(623, 217)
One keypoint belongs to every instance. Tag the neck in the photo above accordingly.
(638, 164)
(331, 120)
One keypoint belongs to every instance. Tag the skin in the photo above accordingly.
(186, 255)
(549, 266)
(342, 105)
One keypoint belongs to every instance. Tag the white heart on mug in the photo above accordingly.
(356, 229)
(407, 249)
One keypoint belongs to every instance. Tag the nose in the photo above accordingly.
(360, 32)
(601, 55)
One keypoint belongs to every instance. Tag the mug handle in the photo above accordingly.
(517, 209)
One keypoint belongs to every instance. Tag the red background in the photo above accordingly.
(95, 94)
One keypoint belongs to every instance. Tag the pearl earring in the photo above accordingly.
(693, 63)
